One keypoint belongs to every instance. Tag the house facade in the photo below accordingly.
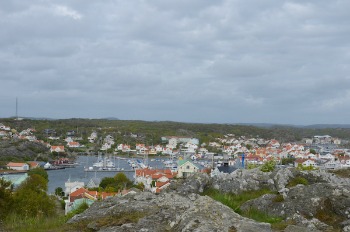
(186, 168)
(57, 149)
(18, 166)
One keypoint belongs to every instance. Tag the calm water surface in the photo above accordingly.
(57, 178)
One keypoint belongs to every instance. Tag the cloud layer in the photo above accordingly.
(222, 61)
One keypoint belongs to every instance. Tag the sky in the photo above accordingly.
(205, 61)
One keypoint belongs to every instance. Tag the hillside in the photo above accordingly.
(151, 132)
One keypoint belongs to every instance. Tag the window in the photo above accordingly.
(188, 167)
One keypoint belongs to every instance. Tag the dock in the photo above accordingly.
(111, 170)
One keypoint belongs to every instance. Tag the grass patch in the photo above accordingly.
(29, 224)
(344, 173)
(234, 201)
(297, 180)
(278, 198)
(121, 219)
(327, 215)
(77, 226)
(78, 210)
(260, 216)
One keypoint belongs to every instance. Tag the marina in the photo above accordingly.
(110, 170)
(83, 172)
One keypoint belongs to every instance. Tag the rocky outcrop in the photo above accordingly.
(322, 204)
(307, 205)
(21, 150)
(164, 212)
(193, 184)
(245, 180)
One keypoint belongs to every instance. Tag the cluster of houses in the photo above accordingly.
(174, 145)
(258, 151)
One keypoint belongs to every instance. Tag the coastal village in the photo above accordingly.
(181, 156)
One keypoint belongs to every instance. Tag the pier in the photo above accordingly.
(112, 170)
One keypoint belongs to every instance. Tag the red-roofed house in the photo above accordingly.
(18, 166)
(154, 180)
(57, 149)
(33, 164)
(73, 144)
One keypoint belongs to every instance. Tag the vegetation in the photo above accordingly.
(59, 192)
(268, 166)
(234, 201)
(78, 210)
(259, 216)
(344, 173)
(278, 198)
(119, 182)
(151, 132)
(6, 200)
(286, 161)
(306, 168)
(28, 208)
(327, 215)
(39, 171)
(18, 223)
(297, 180)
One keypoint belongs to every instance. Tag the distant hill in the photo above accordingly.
(325, 126)
(267, 125)
(110, 118)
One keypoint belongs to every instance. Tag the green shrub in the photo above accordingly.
(78, 210)
(297, 180)
(234, 201)
(278, 198)
(260, 216)
(268, 166)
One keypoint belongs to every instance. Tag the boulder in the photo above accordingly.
(164, 212)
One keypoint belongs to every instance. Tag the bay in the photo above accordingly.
(57, 178)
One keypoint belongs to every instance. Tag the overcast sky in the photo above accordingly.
(222, 61)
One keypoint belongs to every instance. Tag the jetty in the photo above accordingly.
(108, 170)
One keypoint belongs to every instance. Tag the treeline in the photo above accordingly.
(151, 132)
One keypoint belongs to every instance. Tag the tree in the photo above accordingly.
(59, 191)
(31, 199)
(6, 199)
(313, 151)
(39, 171)
(107, 181)
(34, 182)
(122, 181)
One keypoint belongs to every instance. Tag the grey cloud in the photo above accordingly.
(207, 61)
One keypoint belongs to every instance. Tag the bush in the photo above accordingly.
(297, 180)
(260, 216)
(268, 166)
(278, 198)
(78, 210)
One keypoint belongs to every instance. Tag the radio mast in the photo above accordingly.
(16, 108)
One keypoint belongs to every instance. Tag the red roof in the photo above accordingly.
(11, 164)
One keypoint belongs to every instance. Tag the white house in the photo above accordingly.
(332, 164)
(72, 186)
(304, 162)
(328, 157)
(18, 166)
(172, 142)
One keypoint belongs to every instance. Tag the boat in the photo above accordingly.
(103, 163)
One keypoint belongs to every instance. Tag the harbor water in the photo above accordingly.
(57, 178)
